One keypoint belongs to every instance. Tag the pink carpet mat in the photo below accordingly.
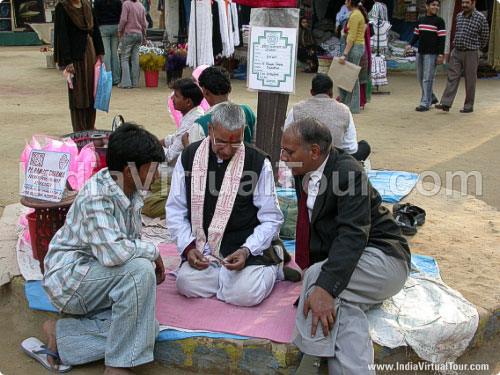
(273, 319)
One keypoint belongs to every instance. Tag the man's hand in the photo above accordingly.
(408, 48)
(342, 60)
(185, 140)
(447, 57)
(439, 59)
(197, 260)
(236, 261)
(100, 58)
(159, 270)
(322, 306)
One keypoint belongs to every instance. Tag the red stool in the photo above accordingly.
(47, 219)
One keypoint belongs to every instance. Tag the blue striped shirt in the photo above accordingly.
(103, 225)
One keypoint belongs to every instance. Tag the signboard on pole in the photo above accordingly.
(46, 175)
(272, 59)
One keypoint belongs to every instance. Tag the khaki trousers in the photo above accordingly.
(461, 61)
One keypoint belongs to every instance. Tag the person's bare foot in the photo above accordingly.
(118, 371)
(49, 328)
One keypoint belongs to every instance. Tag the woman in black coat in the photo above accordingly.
(77, 46)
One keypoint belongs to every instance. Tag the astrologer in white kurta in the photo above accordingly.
(224, 215)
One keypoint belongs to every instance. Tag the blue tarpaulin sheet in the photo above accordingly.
(392, 185)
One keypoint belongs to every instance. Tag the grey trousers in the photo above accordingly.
(461, 61)
(348, 347)
(116, 316)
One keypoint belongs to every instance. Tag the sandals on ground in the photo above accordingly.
(406, 222)
(415, 211)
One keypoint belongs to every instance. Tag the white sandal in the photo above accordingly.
(37, 350)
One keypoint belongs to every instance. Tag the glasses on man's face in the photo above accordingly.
(222, 144)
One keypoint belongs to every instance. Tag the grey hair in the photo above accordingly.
(311, 131)
(228, 115)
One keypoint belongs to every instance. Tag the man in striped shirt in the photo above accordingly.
(431, 35)
(100, 270)
(472, 35)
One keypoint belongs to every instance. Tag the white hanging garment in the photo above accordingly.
(224, 31)
(236, 30)
(229, 28)
(200, 51)
(379, 71)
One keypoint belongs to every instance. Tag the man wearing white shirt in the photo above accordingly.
(336, 116)
(223, 213)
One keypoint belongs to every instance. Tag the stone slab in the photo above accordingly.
(8, 241)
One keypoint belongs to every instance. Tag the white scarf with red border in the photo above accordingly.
(225, 200)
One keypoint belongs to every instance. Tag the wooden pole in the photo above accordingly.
(271, 106)
(162, 15)
(271, 115)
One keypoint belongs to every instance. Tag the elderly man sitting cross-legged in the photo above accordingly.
(223, 213)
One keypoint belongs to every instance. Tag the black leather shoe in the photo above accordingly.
(421, 109)
(291, 274)
(435, 101)
(465, 110)
(442, 107)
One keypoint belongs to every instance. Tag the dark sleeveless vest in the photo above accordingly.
(243, 219)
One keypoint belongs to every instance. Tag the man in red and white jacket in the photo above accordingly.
(431, 35)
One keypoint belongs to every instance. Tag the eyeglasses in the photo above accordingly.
(225, 144)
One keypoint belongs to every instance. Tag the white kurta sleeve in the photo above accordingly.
(269, 213)
(177, 211)
(350, 142)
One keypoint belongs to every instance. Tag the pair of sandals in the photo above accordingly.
(408, 217)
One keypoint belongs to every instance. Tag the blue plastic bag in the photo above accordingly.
(104, 87)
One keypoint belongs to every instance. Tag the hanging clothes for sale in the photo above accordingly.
(200, 51)
(236, 28)
(379, 40)
(229, 27)
(217, 42)
(268, 3)
(379, 71)
(223, 29)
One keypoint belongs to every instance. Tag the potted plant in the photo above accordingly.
(151, 60)
(176, 57)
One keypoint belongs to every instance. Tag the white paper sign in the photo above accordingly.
(46, 175)
(272, 59)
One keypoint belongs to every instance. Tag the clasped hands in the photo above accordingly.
(233, 262)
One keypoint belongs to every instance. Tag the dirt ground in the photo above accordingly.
(33, 100)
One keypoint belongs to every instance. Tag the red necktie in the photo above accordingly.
(302, 233)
